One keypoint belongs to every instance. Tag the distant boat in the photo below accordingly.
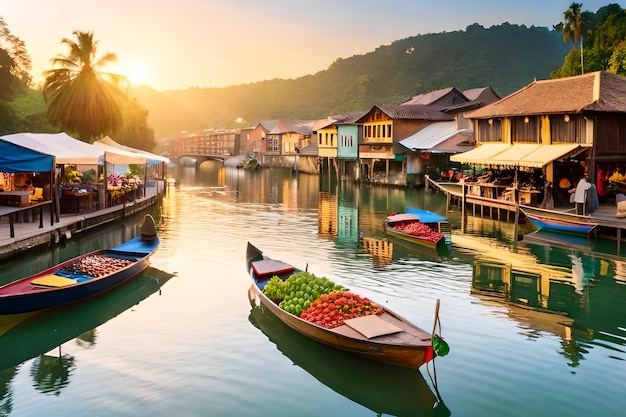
(249, 163)
(421, 227)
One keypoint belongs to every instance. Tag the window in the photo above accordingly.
(525, 129)
(567, 129)
(490, 130)
(273, 145)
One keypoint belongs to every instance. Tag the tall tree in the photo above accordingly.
(15, 63)
(572, 28)
(79, 96)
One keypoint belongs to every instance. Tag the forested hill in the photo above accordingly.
(505, 57)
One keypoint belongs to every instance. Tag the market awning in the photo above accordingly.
(518, 154)
(546, 154)
(151, 157)
(65, 148)
(15, 158)
(117, 156)
(481, 154)
(512, 155)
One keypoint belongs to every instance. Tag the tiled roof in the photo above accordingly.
(597, 91)
(310, 150)
(414, 111)
(267, 125)
(429, 98)
(348, 118)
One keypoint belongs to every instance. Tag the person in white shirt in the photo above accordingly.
(580, 195)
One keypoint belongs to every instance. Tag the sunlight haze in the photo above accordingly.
(209, 43)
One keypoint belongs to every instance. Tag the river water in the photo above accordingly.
(536, 328)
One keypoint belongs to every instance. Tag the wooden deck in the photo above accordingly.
(28, 234)
(502, 209)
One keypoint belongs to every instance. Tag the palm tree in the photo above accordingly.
(79, 97)
(572, 28)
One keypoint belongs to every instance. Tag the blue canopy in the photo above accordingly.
(15, 158)
(426, 216)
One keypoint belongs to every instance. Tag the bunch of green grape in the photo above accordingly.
(301, 288)
(275, 289)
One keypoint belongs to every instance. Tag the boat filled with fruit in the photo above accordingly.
(81, 277)
(420, 227)
(331, 314)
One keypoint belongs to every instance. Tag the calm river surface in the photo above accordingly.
(535, 330)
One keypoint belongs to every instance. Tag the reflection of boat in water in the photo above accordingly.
(384, 389)
(47, 329)
(385, 251)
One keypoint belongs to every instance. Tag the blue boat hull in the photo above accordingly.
(561, 226)
(28, 295)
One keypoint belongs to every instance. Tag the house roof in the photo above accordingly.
(410, 111)
(304, 127)
(434, 96)
(310, 150)
(597, 91)
(486, 95)
(267, 125)
(348, 118)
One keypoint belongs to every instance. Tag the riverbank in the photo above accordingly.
(31, 234)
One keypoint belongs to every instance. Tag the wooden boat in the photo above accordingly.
(386, 338)
(556, 221)
(398, 391)
(249, 163)
(81, 277)
(420, 227)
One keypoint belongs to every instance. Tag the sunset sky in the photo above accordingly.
(172, 45)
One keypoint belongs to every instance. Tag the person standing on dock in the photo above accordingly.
(580, 195)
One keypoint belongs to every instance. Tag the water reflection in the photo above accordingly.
(41, 335)
(384, 389)
(557, 289)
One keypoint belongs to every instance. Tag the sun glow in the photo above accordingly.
(138, 74)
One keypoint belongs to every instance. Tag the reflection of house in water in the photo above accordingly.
(327, 214)
(380, 249)
(568, 292)
(337, 220)
(522, 280)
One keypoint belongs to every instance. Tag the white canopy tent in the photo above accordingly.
(68, 150)
(151, 158)
(117, 156)
(65, 148)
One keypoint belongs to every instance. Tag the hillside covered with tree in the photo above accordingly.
(505, 57)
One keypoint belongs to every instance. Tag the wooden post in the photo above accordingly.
(463, 207)
(515, 227)
(435, 320)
